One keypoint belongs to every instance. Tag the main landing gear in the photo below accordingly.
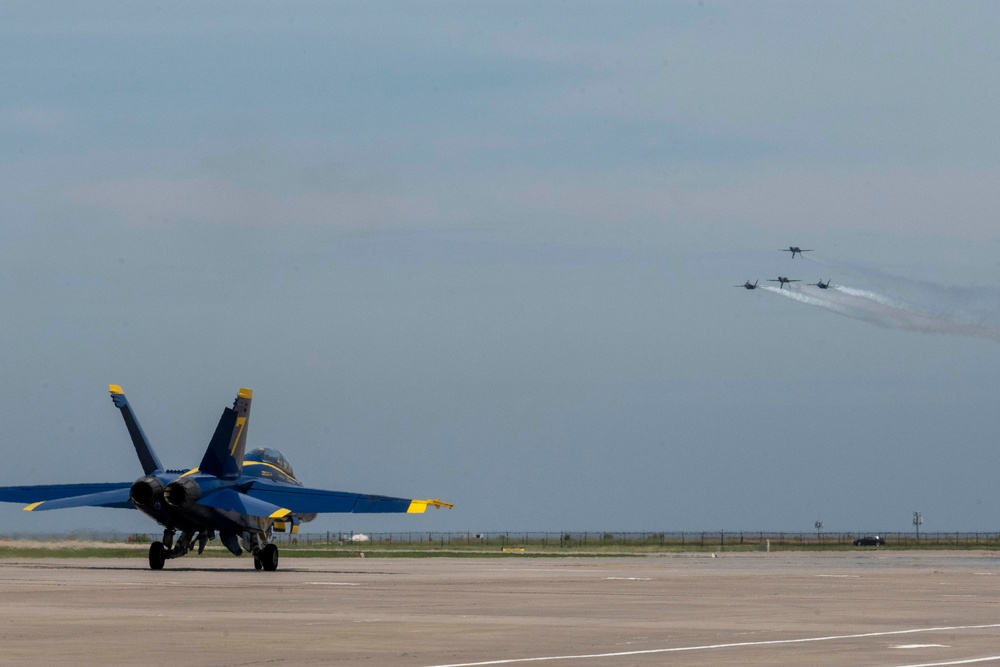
(157, 557)
(160, 552)
(267, 558)
(265, 554)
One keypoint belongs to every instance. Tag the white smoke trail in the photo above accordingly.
(797, 295)
(871, 296)
(878, 309)
(975, 305)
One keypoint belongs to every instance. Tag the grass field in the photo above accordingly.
(137, 547)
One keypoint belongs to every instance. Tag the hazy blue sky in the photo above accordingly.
(487, 252)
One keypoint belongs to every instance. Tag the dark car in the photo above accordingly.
(869, 541)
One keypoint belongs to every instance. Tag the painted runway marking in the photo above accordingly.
(970, 661)
(330, 583)
(769, 642)
(919, 646)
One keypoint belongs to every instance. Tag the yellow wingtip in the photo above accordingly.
(115, 389)
(32, 506)
(245, 393)
(420, 506)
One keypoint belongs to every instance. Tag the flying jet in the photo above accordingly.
(794, 249)
(783, 280)
(748, 284)
(241, 497)
(821, 284)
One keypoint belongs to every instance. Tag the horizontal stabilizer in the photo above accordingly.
(113, 498)
(234, 501)
(302, 500)
(34, 494)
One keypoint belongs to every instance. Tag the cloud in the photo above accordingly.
(152, 201)
(958, 203)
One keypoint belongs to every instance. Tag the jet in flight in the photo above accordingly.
(784, 281)
(821, 284)
(794, 249)
(240, 497)
(748, 284)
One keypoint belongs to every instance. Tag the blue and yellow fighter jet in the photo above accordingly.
(241, 497)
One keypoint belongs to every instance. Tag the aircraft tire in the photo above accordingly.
(257, 565)
(269, 557)
(156, 556)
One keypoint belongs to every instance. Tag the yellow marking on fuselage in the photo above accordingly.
(190, 472)
(32, 506)
(280, 514)
(115, 389)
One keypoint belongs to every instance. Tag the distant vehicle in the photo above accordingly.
(784, 281)
(821, 284)
(748, 285)
(869, 541)
(795, 250)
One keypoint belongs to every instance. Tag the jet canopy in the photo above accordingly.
(270, 456)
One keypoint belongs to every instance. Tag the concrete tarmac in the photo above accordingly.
(855, 608)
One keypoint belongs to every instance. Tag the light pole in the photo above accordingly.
(917, 520)
(819, 525)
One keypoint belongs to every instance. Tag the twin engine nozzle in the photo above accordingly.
(146, 491)
(182, 493)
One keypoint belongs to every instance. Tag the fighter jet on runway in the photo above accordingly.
(748, 284)
(794, 249)
(240, 498)
(784, 281)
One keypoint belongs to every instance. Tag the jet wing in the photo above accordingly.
(112, 498)
(60, 496)
(302, 500)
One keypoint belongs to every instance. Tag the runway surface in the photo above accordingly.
(855, 608)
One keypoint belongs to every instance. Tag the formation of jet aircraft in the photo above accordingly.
(782, 280)
(240, 497)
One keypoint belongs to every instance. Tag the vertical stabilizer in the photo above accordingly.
(147, 457)
(224, 456)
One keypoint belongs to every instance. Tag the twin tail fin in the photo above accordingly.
(224, 456)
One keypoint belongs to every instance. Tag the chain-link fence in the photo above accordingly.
(662, 540)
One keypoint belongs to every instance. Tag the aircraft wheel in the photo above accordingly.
(269, 557)
(257, 565)
(156, 556)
